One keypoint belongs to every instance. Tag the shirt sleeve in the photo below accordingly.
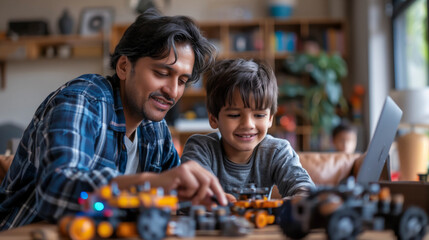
(196, 149)
(288, 173)
(68, 156)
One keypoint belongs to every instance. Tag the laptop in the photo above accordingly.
(379, 146)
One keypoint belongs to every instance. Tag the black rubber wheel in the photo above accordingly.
(343, 224)
(290, 227)
(293, 230)
(152, 223)
(412, 224)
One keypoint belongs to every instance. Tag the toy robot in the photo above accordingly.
(348, 209)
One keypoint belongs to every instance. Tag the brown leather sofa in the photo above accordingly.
(5, 162)
(331, 167)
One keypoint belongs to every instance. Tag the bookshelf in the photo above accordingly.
(270, 40)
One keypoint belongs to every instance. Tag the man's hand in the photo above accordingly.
(230, 198)
(191, 180)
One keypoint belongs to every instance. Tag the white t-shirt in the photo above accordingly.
(133, 155)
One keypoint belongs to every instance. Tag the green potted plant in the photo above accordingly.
(324, 94)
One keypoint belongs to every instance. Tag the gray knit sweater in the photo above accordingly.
(273, 161)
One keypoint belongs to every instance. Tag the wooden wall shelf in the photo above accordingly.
(51, 46)
(34, 47)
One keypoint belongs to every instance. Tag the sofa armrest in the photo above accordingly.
(5, 162)
(331, 167)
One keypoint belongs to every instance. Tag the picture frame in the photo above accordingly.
(95, 20)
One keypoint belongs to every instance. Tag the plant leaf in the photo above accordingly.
(333, 92)
(292, 89)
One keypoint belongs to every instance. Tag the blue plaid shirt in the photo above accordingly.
(74, 143)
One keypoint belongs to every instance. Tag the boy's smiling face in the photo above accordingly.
(242, 129)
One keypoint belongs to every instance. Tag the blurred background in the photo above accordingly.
(360, 51)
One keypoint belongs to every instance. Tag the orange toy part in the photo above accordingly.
(261, 219)
(105, 229)
(81, 228)
(64, 224)
(126, 229)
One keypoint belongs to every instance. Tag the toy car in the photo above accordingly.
(141, 211)
(254, 205)
(146, 213)
(348, 209)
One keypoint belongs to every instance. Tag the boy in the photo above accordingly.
(344, 138)
(241, 103)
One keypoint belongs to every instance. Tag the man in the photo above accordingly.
(95, 130)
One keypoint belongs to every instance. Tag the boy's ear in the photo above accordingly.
(121, 67)
(213, 121)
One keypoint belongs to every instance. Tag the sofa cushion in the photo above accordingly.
(331, 167)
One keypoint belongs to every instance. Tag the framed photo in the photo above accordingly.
(95, 20)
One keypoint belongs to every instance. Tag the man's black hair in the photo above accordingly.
(153, 35)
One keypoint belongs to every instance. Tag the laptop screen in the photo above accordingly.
(378, 148)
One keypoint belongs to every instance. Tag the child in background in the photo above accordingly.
(344, 138)
(241, 103)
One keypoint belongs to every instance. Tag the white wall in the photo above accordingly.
(371, 57)
(29, 82)
(380, 58)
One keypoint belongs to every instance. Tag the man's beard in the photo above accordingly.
(140, 111)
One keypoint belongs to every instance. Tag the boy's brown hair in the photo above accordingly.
(253, 80)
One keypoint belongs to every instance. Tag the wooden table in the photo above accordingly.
(273, 232)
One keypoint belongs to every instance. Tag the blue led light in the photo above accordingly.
(99, 206)
(84, 195)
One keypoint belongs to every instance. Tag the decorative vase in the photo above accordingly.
(281, 8)
(65, 23)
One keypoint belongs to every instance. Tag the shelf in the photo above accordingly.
(281, 55)
(246, 55)
(194, 93)
(35, 47)
(51, 46)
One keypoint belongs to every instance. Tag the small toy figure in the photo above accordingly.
(348, 209)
